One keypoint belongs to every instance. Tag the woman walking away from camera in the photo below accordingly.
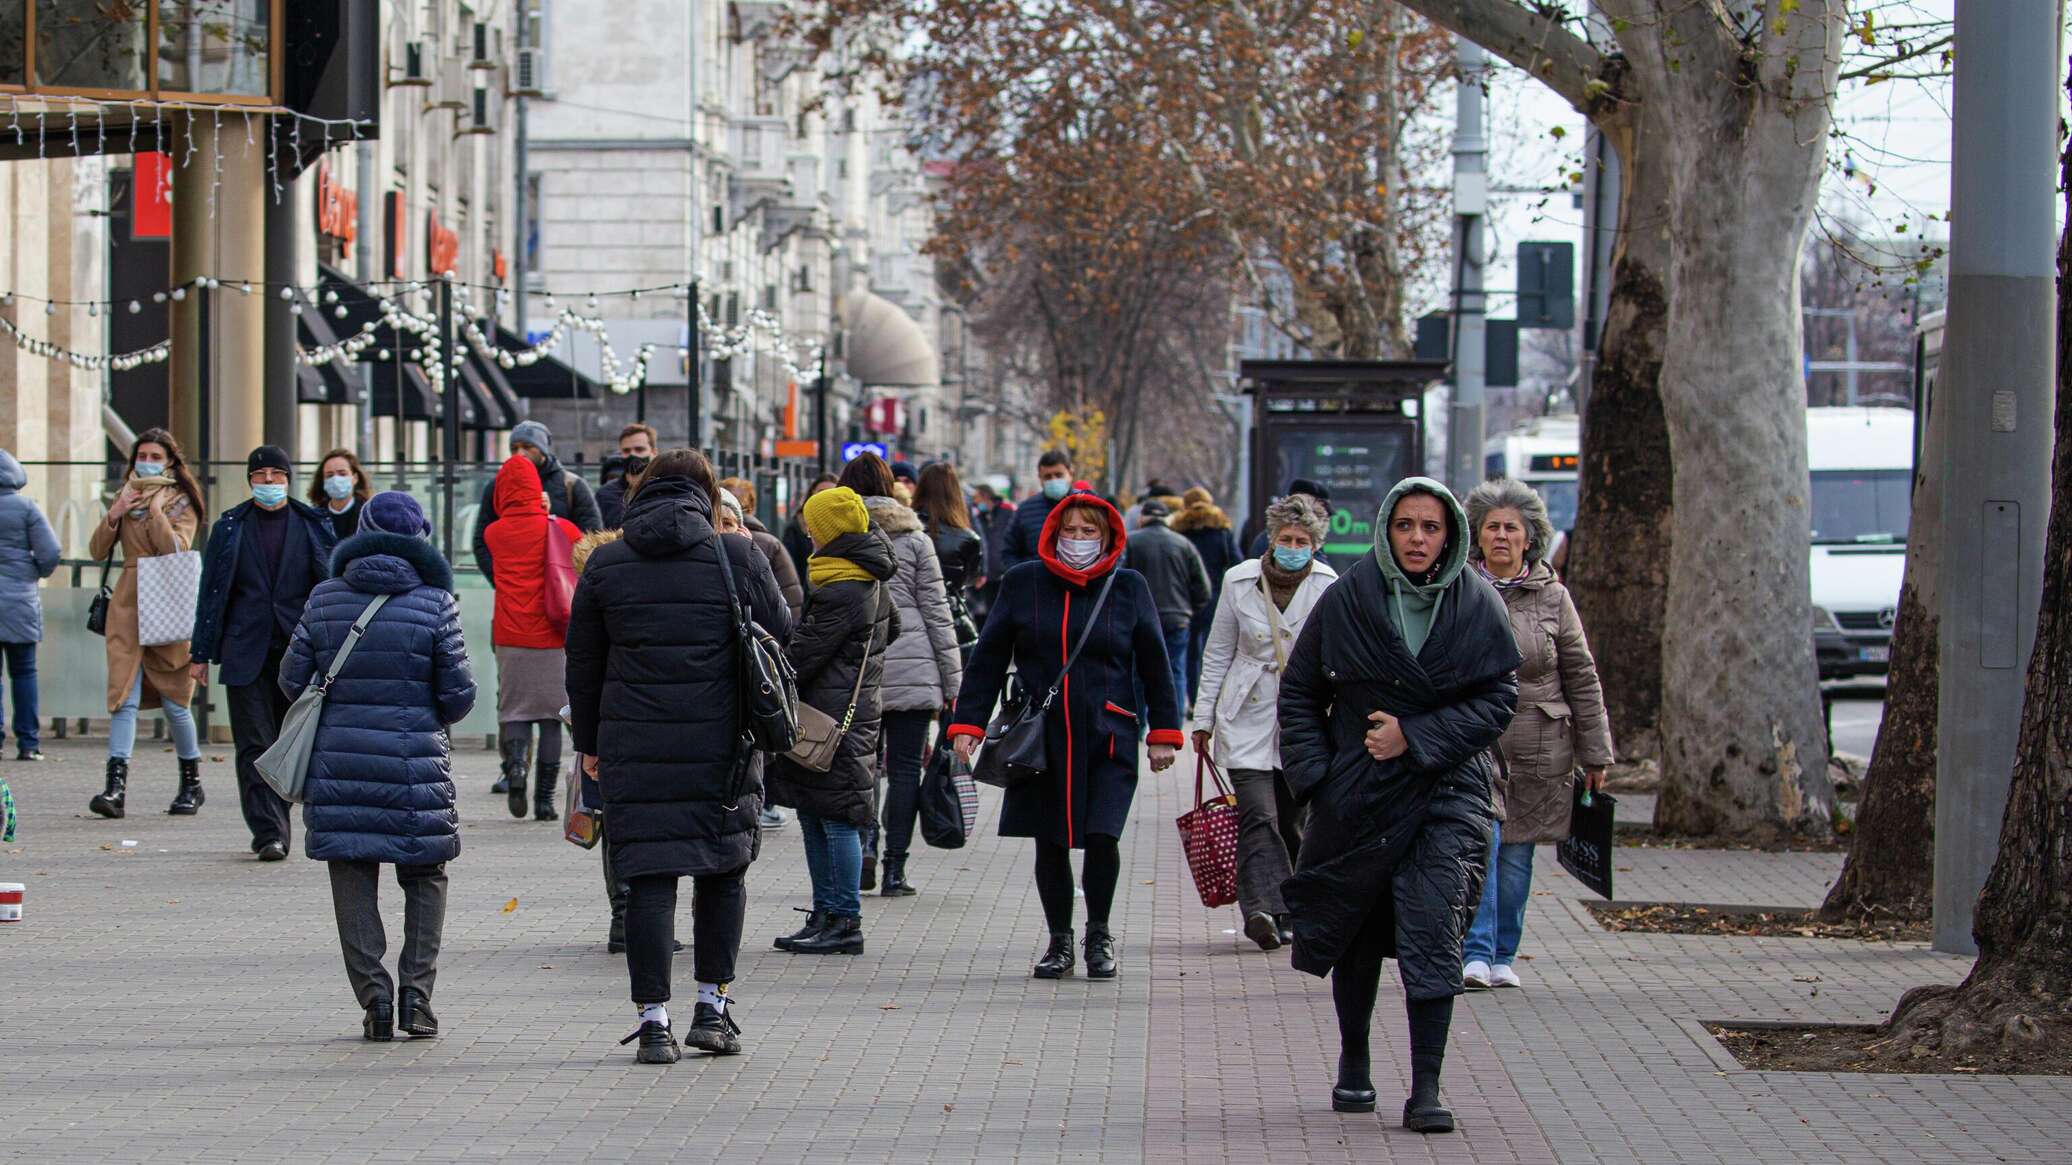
(959, 550)
(380, 789)
(340, 489)
(1208, 527)
(28, 552)
(1046, 609)
(530, 664)
(838, 651)
(781, 565)
(1399, 686)
(157, 512)
(1561, 722)
(654, 695)
(1265, 604)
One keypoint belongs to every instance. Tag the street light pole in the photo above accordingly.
(1470, 204)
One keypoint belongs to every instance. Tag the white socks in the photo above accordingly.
(713, 995)
(654, 1013)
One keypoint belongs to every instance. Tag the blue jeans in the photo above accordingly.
(1197, 646)
(122, 726)
(1176, 657)
(834, 861)
(21, 682)
(1500, 920)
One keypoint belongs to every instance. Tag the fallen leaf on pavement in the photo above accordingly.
(510, 906)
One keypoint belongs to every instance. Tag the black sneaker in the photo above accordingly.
(715, 1031)
(30, 754)
(657, 1046)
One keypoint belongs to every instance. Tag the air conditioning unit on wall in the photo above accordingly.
(530, 77)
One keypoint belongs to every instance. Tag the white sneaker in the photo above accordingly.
(1503, 976)
(1476, 975)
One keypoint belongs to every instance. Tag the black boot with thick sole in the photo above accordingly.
(1429, 1021)
(544, 783)
(108, 802)
(187, 802)
(815, 920)
(1057, 962)
(657, 1046)
(714, 1030)
(1100, 953)
(843, 935)
(895, 884)
(869, 878)
(414, 1015)
(514, 763)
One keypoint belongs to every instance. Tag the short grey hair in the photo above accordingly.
(1298, 510)
(1503, 493)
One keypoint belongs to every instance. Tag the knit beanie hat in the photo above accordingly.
(733, 505)
(534, 434)
(395, 512)
(832, 513)
(268, 457)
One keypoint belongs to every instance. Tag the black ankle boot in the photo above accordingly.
(188, 800)
(815, 921)
(657, 1046)
(869, 879)
(1355, 1089)
(108, 803)
(513, 753)
(1100, 952)
(843, 935)
(544, 782)
(379, 1024)
(715, 1031)
(414, 1015)
(895, 882)
(1057, 961)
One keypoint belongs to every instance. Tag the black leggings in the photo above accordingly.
(1101, 869)
(1356, 984)
(906, 748)
(549, 751)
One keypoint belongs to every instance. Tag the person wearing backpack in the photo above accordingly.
(534, 575)
(380, 777)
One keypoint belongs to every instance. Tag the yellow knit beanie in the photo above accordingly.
(832, 513)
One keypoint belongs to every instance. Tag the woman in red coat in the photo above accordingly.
(532, 567)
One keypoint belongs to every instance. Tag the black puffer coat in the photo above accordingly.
(1409, 836)
(652, 684)
(827, 648)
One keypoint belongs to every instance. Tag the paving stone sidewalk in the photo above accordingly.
(177, 1001)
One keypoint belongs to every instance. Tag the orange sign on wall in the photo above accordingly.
(338, 210)
(441, 246)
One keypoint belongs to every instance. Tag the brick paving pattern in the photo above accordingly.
(180, 1002)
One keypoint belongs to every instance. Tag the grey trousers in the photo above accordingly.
(355, 889)
(1269, 834)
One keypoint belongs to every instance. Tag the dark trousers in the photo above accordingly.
(1100, 870)
(1269, 835)
(906, 750)
(719, 902)
(256, 712)
(355, 898)
(21, 688)
(614, 890)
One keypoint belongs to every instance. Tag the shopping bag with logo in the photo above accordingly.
(1589, 850)
(1208, 835)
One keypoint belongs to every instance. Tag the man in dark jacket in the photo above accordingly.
(1179, 583)
(568, 496)
(636, 447)
(262, 559)
(1054, 476)
(991, 516)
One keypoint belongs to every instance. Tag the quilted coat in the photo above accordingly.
(1561, 721)
(518, 542)
(28, 552)
(1092, 731)
(381, 773)
(923, 667)
(1408, 836)
(831, 642)
(653, 684)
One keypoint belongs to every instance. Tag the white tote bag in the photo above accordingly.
(168, 586)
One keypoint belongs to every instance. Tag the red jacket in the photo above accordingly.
(518, 556)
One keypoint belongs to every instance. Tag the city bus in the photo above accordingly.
(1546, 454)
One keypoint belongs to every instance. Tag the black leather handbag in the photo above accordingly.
(769, 687)
(1016, 747)
(97, 611)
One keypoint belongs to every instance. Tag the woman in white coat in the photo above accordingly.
(1263, 606)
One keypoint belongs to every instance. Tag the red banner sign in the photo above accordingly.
(151, 197)
(338, 210)
(441, 246)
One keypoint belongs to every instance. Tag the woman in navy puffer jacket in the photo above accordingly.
(380, 775)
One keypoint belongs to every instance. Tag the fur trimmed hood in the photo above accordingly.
(892, 517)
(1207, 517)
(423, 559)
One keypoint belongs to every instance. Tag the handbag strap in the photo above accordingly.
(1085, 633)
(1202, 764)
(352, 639)
(863, 665)
(1273, 617)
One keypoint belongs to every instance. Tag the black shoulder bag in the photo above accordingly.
(769, 688)
(1016, 747)
(97, 611)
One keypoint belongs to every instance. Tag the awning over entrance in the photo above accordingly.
(886, 348)
(420, 403)
(332, 383)
(549, 378)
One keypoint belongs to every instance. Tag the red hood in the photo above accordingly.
(1047, 543)
(518, 489)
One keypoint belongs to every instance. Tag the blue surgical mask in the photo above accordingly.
(269, 495)
(1056, 487)
(339, 486)
(1292, 558)
(150, 468)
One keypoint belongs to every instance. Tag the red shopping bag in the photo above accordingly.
(1208, 834)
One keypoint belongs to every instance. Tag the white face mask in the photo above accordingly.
(1079, 553)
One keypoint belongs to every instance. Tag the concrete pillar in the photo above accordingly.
(1998, 381)
(220, 190)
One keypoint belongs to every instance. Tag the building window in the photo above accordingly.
(221, 49)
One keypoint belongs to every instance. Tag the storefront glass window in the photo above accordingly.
(92, 44)
(214, 46)
(13, 47)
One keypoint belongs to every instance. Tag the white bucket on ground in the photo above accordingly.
(11, 901)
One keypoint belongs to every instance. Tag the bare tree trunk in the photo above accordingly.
(1744, 752)
(1618, 559)
(1891, 868)
(2018, 996)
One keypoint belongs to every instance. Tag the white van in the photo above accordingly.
(1862, 463)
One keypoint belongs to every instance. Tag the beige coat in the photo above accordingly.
(1561, 723)
(1240, 670)
(167, 526)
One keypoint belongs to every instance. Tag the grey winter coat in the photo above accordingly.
(28, 552)
(923, 668)
(1561, 721)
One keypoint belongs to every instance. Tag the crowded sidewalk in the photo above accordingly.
(175, 1001)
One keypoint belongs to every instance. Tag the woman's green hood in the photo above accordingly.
(1451, 562)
